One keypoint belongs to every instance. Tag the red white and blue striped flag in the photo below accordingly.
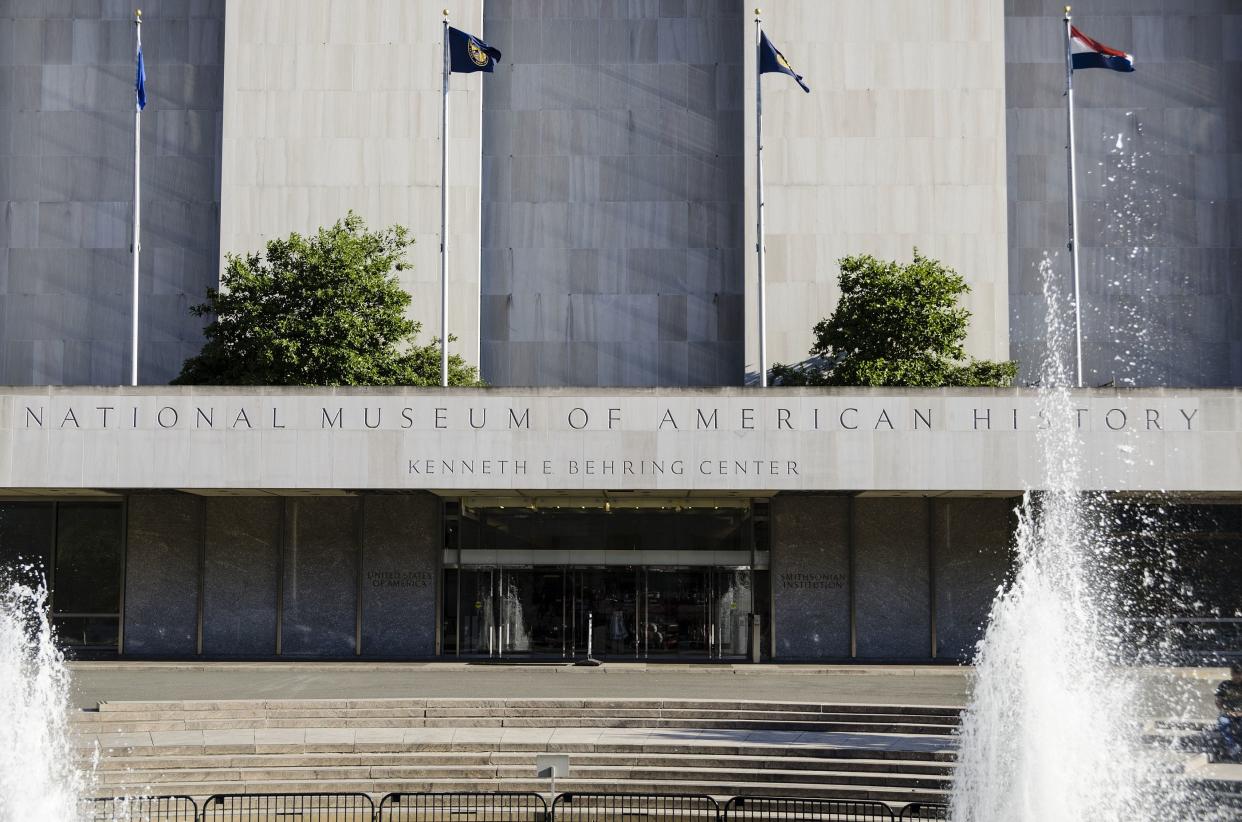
(1088, 53)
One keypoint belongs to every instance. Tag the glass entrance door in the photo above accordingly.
(676, 616)
(531, 616)
(633, 612)
(606, 600)
(732, 604)
(478, 614)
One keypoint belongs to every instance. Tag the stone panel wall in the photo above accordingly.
(1159, 189)
(163, 546)
(972, 551)
(66, 171)
(810, 576)
(901, 143)
(334, 105)
(401, 571)
(612, 186)
(321, 576)
(892, 598)
(240, 583)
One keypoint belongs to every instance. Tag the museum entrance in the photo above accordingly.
(671, 582)
(616, 612)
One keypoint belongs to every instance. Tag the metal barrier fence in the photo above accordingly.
(141, 809)
(500, 806)
(588, 807)
(267, 807)
(781, 808)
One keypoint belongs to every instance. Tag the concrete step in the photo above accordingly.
(189, 706)
(300, 745)
(520, 722)
(723, 787)
(683, 711)
(719, 747)
(640, 773)
(839, 762)
(90, 719)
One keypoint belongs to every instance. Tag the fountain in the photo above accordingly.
(1055, 726)
(39, 779)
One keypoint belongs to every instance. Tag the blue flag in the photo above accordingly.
(771, 60)
(468, 53)
(140, 81)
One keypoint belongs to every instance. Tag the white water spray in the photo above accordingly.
(1054, 730)
(39, 779)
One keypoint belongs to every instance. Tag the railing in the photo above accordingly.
(773, 808)
(263, 807)
(1205, 640)
(458, 805)
(501, 806)
(590, 807)
(141, 809)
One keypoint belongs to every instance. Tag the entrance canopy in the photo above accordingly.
(530, 441)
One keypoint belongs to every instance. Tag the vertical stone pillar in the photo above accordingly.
(810, 576)
(164, 543)
(891, 577)
(973, 553)
(320, 614)
(240, 581)
(401, 538)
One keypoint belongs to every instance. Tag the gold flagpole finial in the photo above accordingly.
(446, 14)
(138, 15)
(1067, 9)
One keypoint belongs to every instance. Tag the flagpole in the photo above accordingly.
(1073, 193)
(759, 249)
(444, 113)
(133, 372)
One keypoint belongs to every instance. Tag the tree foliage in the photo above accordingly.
(896, 324)
(321, 310)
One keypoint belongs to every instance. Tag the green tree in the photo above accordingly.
(895, 325)
(321, 310)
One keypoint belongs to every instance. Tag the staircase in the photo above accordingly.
(896, 754)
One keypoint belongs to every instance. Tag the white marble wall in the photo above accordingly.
(333, 105)
(901, 143)
(1159, 188)
(66, 186)
(612, 242)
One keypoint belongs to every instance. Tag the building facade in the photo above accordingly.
(705, 523)
(602, 180)
(603, 276)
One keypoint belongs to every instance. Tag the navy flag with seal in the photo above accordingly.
(468, 53)
(771, 60)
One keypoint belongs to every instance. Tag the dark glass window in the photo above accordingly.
(26, 540)
(78, 548)
(448, 616)
(1178, 568)
(87, 577)
(673, 528)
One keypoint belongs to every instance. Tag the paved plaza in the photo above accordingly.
(1171, 692)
